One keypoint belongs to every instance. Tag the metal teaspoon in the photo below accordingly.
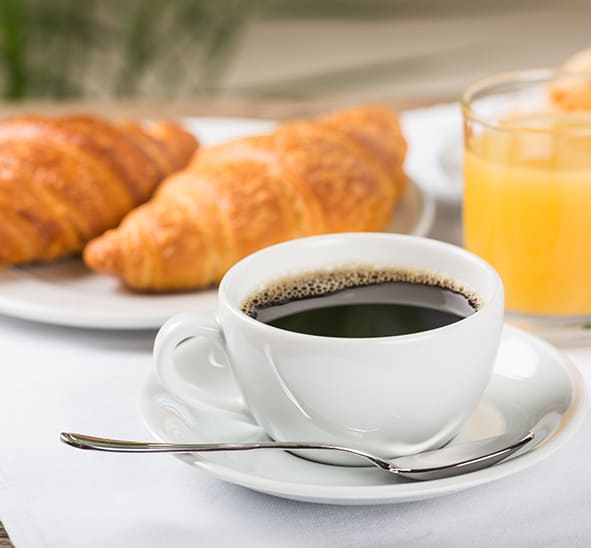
(435, 464)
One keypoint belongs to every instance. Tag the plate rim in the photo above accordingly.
(571, 420)
(31, 310)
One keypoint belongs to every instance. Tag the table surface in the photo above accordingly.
(243, 108)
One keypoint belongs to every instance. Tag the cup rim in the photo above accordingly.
(531, 76)
(497, 291)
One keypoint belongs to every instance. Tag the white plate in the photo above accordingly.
(533, 387)
(451, 158)
(435, 149)
(67, 293)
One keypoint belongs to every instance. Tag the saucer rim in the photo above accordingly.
(387, 493)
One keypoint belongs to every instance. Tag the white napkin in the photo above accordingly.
(54, 379)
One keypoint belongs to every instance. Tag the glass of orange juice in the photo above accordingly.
(527, 198)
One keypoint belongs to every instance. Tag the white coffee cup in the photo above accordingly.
(388, 395)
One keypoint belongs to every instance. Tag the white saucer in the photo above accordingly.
(67, 293)
(533, 387)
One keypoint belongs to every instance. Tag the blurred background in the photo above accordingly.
(333, 50)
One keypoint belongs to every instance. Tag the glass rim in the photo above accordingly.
(532, 76)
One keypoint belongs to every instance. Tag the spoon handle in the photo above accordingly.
(81, 441)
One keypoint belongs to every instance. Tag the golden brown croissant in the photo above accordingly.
(66, 180)
(338, 173)
(574, 93)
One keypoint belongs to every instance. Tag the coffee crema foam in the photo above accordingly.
(322, 282)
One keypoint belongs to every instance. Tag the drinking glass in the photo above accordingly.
(527, 200)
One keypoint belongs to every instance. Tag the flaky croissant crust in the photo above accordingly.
(66, 180)
(338, 173)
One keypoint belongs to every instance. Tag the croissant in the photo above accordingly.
(574, 93)
(65, 180)
(342, 172)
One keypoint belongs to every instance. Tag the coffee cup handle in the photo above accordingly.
(205, 379)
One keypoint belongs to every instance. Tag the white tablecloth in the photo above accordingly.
(54, 379)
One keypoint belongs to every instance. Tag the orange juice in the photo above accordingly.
(527, 211)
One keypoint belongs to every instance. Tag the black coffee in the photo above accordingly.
(361, 302)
